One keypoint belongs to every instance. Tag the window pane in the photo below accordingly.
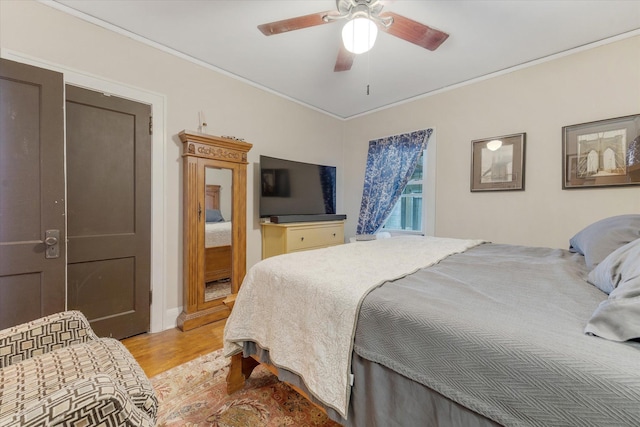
(407, 213)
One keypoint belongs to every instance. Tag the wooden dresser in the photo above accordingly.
(280, 239)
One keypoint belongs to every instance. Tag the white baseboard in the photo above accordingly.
(171, 318)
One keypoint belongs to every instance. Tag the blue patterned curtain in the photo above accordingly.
(328, 183)
(390, 164)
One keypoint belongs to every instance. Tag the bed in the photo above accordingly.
(450, 332)
(217, 238)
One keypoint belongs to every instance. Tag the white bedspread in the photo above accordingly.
(217, 234)
(303, 306)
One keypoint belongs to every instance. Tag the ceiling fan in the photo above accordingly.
(363, 19)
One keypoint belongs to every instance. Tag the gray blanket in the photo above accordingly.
(499, 329)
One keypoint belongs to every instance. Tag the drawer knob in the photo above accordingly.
(301, 239)
(334, 234)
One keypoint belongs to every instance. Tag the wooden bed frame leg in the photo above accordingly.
(239, 370)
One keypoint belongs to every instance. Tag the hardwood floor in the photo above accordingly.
(161, 351)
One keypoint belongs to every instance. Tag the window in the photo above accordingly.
(407, 215)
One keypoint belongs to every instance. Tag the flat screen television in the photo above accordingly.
(291, 188)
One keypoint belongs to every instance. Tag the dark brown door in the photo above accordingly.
(31, 193)
(109, 211)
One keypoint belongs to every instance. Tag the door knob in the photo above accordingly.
(51, 240)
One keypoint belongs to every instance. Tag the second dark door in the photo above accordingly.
(108, 211)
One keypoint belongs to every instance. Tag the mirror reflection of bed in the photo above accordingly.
(217, 259)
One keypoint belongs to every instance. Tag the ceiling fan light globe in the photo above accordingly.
(359, 35)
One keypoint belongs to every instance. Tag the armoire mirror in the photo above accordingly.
(217, 233)
(214, 240)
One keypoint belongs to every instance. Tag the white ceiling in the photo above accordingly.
(484, 37)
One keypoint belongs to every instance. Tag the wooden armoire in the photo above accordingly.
(214, 233)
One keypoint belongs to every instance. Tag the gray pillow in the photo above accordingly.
(599, 239)
(214, 215)
(618, 317)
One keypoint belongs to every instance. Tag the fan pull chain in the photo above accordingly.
(369, 56)
(368, 72)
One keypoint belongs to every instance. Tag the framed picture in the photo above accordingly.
(601, 154)
(497, 163)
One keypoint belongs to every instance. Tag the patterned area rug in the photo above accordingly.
(194, 394)
(217, 289)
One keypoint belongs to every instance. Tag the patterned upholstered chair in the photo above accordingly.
(55, 371)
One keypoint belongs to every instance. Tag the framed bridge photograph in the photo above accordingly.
(498, 163)
(603, 153)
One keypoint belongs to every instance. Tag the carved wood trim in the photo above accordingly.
(190, 274)
(214, 147)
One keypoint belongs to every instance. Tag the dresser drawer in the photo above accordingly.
(314, 237)
(294, 237)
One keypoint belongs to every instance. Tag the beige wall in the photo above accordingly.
(594, 84)
(591, 85)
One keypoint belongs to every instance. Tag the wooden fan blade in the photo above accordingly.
(291, 24)
(414, 32)
(345, 60)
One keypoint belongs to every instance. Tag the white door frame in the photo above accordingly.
(158, 149)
